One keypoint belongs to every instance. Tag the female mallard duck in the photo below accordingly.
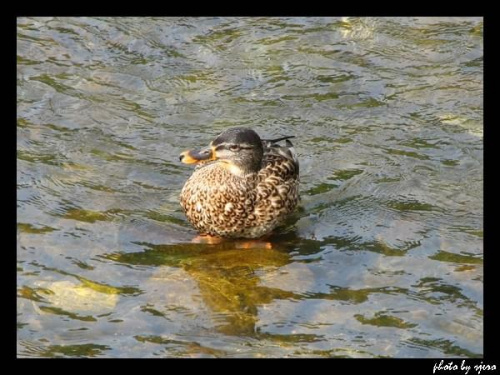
(243, 187)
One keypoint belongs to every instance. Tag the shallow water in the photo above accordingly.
(384, 258)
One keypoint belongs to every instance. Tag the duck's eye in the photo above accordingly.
(234, 148)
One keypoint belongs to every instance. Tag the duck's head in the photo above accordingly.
(239, 149)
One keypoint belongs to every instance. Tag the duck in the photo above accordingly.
(242, 186)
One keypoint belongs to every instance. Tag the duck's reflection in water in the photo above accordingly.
(227, 275)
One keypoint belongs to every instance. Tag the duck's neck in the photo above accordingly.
(236, 170)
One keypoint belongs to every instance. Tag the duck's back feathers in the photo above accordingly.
(278, 182)
(280, 161)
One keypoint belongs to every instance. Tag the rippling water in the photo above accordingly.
(384, 256)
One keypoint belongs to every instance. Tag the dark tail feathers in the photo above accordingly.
(278, 139)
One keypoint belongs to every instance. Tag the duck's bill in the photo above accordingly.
(193, 157)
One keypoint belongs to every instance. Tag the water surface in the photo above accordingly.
(384, 258)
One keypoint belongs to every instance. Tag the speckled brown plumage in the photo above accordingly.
(247, 203)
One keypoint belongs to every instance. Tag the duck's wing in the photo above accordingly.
(280, 161)
(277, 190)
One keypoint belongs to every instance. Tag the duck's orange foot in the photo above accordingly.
(207, 239)
(253, 244)
(258, 243)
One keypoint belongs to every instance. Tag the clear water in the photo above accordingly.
(384, 256)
